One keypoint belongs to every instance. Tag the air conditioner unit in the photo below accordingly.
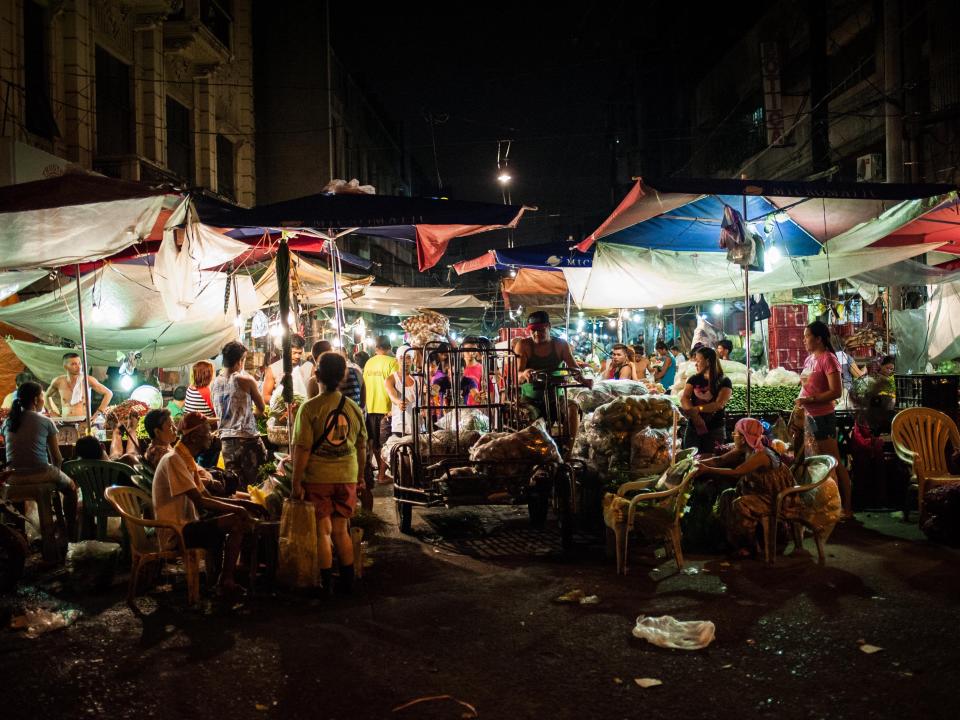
(870, 168)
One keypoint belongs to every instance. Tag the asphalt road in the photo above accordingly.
(467, 609)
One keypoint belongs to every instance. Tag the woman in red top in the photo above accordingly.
(821, 389)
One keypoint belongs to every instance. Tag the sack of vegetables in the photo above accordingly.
(532, 444)
(629, 414)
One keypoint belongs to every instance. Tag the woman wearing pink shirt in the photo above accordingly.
(822, 387)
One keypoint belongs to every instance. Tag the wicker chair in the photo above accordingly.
(920, 439)
(134, 505)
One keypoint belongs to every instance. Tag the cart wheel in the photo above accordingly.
(404, 517)
(538, 503)
(13, 556)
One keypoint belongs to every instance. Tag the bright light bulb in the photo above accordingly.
(660, 306)
(96, 314)
(291, 318)
(580, 314)
(773, 255)
(611, 323)
(638, 318)
(580, 325)
(276, 331)
(513, 273)
(717, 309)
(504, 177)
(126, 383)
(238, 321)
(392, 336)
(336, 342)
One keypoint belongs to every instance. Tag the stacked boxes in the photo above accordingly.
(786, 336)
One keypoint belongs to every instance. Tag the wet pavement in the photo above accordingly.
(467, 609)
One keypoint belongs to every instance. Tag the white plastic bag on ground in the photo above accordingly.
(668, 632)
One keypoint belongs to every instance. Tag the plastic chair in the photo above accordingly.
(94, 477)
(813, 473)
(659, 511)
(134, 505)
(920, 438)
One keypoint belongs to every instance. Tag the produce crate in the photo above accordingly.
(794, 315)
(788, 359)
(938, 392)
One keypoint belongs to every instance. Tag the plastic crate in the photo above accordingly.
(938, 392)
(793, 316)
(786, 338)
(789, 359)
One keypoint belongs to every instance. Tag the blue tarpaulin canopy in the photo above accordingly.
(544, 256)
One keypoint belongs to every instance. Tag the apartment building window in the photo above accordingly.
(39, 112)
(226, 185)
(217, 16)
(114, 106)
(179, 140)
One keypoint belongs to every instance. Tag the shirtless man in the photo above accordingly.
(540, 352)
(65, 395)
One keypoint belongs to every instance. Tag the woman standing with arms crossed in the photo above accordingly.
(821, 388)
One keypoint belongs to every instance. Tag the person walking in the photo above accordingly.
(375, 373)
(330, 452)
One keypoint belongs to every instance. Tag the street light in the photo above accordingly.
(504, 177)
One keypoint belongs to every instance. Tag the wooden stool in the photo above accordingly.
(53, 530)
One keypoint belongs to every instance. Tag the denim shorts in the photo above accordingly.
(824, 426)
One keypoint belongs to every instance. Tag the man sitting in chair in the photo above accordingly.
(179, 497)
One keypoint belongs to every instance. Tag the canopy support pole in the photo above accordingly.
(746, 313)
(283, 287)
(84, 370)
(566, 327)
(337, 304)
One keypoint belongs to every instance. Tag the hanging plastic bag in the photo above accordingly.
(298, 562)
(667, 632)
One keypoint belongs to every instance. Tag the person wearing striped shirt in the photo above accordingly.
(198, 397)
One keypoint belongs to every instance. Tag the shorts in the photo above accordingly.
(244, 456)
(49, 474)
(331, 498)
(824, 426)
(203, 533)
(374, 439)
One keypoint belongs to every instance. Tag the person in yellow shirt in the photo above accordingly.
(375, 373)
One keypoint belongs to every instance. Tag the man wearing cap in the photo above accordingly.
(542, 353)
(179, 497)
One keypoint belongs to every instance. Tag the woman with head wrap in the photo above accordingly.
(761, 476)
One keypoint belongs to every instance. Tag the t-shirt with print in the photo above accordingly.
(172, 480)
(333, 459)
(375, 374)
(814, 381)
(703, 395)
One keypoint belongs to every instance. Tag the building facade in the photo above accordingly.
(146, 90)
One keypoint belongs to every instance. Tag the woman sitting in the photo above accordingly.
(703, 400)
(33, 452)
(761, 473)
(163, 435)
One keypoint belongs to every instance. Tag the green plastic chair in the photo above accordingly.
(93, 477)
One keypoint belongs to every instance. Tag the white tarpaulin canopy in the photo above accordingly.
(13, 282)
(624, 276)
(312, 283)
(124, 312)
(73, 219)
(398, 301)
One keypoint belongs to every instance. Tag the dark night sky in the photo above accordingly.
(541, 75)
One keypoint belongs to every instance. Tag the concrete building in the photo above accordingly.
(149, 90)
(315, 124)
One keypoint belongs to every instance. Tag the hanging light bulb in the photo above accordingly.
(126, 383)
(717, 309)
(773, 255)
(611, 323)
(291, 318)
(96, 314)
(238, 321)
(660, 306)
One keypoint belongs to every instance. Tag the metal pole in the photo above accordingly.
(676, 340)
(83, 353)
(746, 311)
(337, 307)
(566, 327)
(283, 283)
